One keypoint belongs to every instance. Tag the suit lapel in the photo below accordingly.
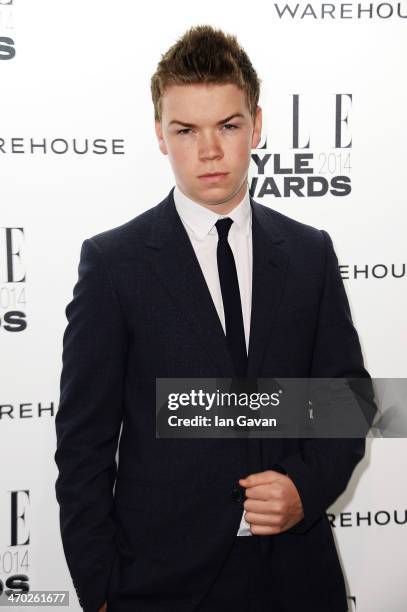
(174, 262)
(270, 261)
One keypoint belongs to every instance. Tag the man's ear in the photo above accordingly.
(161, 142)
(257, 127)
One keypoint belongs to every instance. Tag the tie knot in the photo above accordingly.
(223, 227)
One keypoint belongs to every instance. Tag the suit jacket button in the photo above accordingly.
(237, 494)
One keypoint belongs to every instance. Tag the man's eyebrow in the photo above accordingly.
(192, 125)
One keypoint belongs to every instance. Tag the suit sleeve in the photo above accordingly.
(322, 467)
(88, 424)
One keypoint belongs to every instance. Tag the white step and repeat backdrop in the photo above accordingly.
(78, 155)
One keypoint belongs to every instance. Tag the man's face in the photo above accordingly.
(207, 129)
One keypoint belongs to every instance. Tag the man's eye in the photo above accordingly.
(184, 131)
(230, 127)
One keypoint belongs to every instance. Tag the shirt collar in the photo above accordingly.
(201, 220)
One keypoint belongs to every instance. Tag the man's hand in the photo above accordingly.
(273, 504)
(104, 607)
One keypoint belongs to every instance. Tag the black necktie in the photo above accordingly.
(229, 285)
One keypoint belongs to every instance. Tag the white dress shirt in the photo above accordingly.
(199, 223)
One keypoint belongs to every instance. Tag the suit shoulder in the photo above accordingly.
(123, 240)
(291, 228)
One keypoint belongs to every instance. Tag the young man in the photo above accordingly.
(207, 283)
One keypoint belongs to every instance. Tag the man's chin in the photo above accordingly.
(214, 195)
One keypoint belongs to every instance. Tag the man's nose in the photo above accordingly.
(210, 147)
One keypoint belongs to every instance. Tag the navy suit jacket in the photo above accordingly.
(151, 533)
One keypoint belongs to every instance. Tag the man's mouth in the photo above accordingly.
(213, 176)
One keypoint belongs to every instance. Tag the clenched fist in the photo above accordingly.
(273, 503)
